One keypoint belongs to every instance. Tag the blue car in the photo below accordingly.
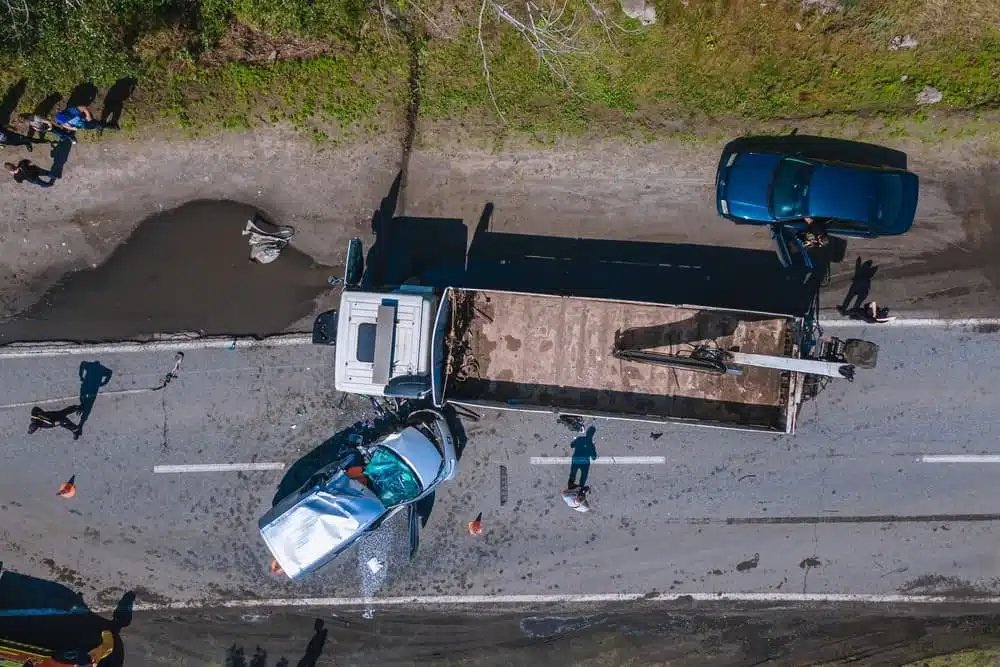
(781, 191)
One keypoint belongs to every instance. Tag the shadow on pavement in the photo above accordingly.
(432, 252)
(823, 148)
(673, 273)
(56, 621)
(336, 449)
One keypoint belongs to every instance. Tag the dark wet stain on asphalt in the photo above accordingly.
(183, 270)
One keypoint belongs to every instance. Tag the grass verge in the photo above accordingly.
(339, 70)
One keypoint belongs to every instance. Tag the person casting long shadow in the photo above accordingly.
(93, 376)
(584, 451)
(861, 285)
(315, 647)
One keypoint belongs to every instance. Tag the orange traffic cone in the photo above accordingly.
(68, 490)
(476, 527)
(275, 568)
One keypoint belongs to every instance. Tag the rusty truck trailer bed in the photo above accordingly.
(553, 352)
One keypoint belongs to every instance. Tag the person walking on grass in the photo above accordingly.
(53, 418)
(25, 171)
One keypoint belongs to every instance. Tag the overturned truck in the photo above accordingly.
(583, 356)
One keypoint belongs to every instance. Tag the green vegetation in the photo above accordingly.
(335, 66)
(971, 658)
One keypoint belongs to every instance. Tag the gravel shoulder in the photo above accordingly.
(655, 193)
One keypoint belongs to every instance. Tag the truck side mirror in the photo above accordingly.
(408, 386)
(325, 328)
(354, 269)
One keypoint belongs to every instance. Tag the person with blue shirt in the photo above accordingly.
(71, 119)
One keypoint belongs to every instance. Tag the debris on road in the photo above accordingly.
(275, 568)
(68, 489)
(265, 247)
(572, 422)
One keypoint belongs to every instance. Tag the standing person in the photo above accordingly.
(32, 173)
(68, 121)
(584, 452)
(52, 418)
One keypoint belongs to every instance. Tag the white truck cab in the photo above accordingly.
(382, 336)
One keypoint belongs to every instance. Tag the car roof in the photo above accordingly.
(418, 452)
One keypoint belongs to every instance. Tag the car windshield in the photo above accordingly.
(890, 198)
(391, 479)
(790, 191)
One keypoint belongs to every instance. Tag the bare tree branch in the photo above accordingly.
(486, 65)
(553, 31)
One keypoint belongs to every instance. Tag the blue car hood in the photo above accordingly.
(747, 184)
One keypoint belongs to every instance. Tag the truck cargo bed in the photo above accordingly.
(553, 353)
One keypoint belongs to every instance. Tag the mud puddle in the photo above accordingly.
(183, 270)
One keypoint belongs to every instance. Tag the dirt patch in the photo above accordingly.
(243, 44)
(184, 270)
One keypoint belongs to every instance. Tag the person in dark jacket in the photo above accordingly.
(52, 418)
(32, 173)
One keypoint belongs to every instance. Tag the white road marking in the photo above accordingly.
(960, 458)
(584, 598)
(600, 460)
(218, 467)
(26, 350)
(913, 322)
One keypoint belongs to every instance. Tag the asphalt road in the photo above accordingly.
(844, 506)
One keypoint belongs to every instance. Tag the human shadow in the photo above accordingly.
(584, 451)
(314, 650)
(60, 155)
(407, 249)
(52, 617)
(821, 148)
(93, 377)
(10, 101)
(82, 95)
(114, 101)
(861, 285)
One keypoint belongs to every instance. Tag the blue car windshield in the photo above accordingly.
(790, 190)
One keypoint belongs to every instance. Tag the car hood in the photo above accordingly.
(746, 186)
(307, 530)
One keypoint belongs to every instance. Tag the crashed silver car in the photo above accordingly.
(356, 493)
